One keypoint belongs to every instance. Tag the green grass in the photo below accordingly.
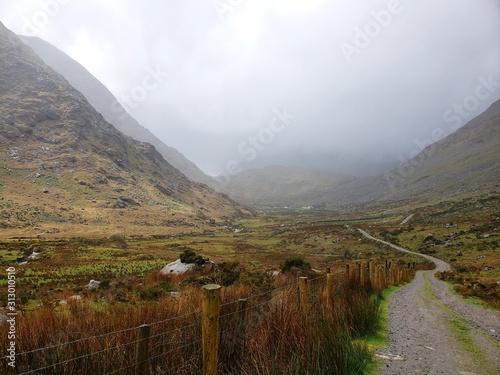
(380, 339)
(474, 301)
(458, 327)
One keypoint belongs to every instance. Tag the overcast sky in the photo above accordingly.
(352, 86)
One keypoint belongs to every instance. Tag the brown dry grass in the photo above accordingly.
(82, 338)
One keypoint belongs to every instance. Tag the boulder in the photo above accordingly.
(93, 284)
(429, 237)
(179, 268)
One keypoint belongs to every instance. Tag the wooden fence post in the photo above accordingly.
(240, 326)
(380, 280)
(361, 274)
(141, 354)
(210, 327)
(303, 297)
(329, 294)
(371, 275)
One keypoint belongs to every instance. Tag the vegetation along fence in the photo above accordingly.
(303, 325)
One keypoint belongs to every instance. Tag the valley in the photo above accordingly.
(53, 273)
(93, 207)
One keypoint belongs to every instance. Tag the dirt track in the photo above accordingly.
(420, 338)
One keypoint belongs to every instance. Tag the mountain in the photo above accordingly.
(104, 102)
(466, 162)
(279, 186)
(64, 168)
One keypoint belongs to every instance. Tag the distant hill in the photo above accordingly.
(104, 102)
(65, 169)
(284, 186)
(466, 162)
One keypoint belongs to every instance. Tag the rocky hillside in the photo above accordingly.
(105, 103)
(65, 169)
(466, 162)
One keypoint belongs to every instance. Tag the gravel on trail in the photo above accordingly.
(420, 338)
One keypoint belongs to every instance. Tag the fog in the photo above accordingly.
(353, 87)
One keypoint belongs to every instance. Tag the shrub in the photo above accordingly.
(295, 264)
(189, 256)
(226, 273)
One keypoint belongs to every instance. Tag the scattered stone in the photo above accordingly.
(459, 253)
(429, 237)
(93, 284)
(33, 255)
(175, 294)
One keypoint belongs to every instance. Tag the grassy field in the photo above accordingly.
(55, 307)
(51, 276)
(464, 233)
(253, 247)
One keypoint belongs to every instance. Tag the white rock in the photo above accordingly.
(177, 268)
(92, 284)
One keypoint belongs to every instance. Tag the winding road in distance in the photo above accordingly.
(421, 340)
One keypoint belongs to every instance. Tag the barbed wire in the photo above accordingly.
(79, 357)
(173, 330)
(180, 334)
(176, 349)
(175, 317)
(114, 333)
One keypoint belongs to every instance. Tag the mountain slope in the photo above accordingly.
(104, 102)
(62, 166)
(284, 186)
(466, 162)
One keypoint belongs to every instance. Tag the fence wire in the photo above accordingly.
(175, 343)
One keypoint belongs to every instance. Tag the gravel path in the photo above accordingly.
(420, 339)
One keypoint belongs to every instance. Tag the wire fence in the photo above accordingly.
(174, 344)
